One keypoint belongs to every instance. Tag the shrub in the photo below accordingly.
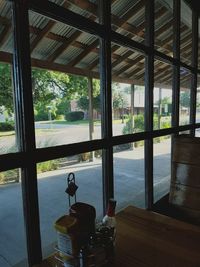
(60, 117)
(9, 176)
(74, 116)
(139, 122)
(137, 126)
(7, 126)
(42, 115)
(47, 166)
(84, 156)
(165, 124)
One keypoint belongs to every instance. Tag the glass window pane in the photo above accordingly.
(129, 174)
(185, 91)
(128, 18)
(7, 113)
(52, 183)
(13, 250)
(88, 9)
(66, 86)
(127, 91)
(164, 26)
(186, 34)
(162, 166)
(162, 95)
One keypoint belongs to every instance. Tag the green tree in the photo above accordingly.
(185, 99)
(47, 87)
(6, 90)
(63, 106)
(83, 103)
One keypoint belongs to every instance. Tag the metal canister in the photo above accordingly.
(67, 240)
(85, 215)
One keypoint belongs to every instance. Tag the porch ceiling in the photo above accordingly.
(59, 47)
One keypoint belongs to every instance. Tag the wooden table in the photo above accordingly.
(149, 239)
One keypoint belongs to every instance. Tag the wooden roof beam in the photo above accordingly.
(66, 44)
(7, 58)
(42, 34)
(130, 65)
(96, 62)
(44, 31)
(84, 53)
(122, 58)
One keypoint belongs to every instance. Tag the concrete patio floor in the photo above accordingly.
(53, 201)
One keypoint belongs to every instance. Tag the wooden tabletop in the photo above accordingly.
(149, 239)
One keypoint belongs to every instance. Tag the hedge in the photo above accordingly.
(7, 126)
(74, 116)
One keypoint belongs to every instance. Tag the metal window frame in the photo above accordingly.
(28, 155)
(25, 128)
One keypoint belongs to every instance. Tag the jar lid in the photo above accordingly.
(65, 224)
(83, 211)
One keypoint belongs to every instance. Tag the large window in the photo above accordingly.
(97, 88)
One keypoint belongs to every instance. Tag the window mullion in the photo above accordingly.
(105, 75)
(176, 68)
(149, 84)
(193, 97)
(25, 127)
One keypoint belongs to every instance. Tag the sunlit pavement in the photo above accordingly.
(53, 201)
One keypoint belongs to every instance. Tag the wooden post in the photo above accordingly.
(91, 119)
(132, 111)
(159, 107)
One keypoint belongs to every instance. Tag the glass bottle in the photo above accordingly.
(109, 219)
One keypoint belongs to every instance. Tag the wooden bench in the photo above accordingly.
(183, 200)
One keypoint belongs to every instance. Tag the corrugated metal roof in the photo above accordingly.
(37, 20)
(62, 30)
(86, 61)
(8, 45)
(68, 55)
(55, 43)
(45, 48)
(119, 8)
(5, 9)
(86, 38)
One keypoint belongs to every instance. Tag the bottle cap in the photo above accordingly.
(112, 202)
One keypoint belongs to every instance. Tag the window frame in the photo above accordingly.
(28, 155)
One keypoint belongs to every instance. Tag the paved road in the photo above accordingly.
(58, 134)
(129, 188)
